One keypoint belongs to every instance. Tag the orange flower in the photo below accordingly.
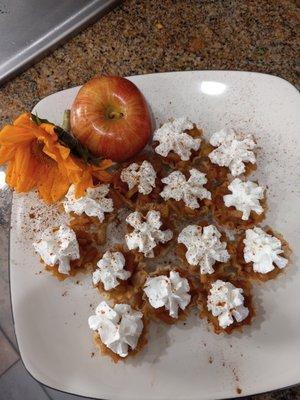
(36, 159)
(91, 171)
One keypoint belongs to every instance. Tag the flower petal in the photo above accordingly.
(26, 166)
(29, 167)
(81, 185)
(7, 153)
(60, 186)
(103, 176)
(15, 134)
(104, 164)
(23, 119)
(45, 184)
(64, 151)
(10, 175)
(49, 128)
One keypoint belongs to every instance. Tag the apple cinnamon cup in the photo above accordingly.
(150, 233)
(186, 193)
(239, 204)
(205, 252)
(137, 182)
(262, 254)
(119, 331)
(120, 276)
(228, 152)
(66, 251)
(177, 142)
(226, 303)
(92, 212)
(215, 174)
(169, 294)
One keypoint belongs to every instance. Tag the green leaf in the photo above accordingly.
(66, 120)
(35, 118)
(67, 139)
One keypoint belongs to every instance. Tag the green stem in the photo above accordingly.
(66, 121)
(70, 141)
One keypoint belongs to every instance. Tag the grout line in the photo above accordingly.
(10, 342)
(12, 365)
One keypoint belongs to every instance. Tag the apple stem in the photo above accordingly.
(115, 115)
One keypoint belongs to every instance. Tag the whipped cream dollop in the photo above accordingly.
(263, 251)
(93, 204)
(226, 302)
(177, 187)
(58, 246)
(245, 197)
(204, 247)
(172, 137)
(233, 150)
(119, 327)
(143, 176)
(146, 234)
(110, 270)
(170, 292)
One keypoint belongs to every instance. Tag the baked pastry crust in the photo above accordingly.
(105, 351)
(246, 269)
(128, 291)
(230, 217)
(88, 256)
(213, 322)
(173, 160)
(161, 314)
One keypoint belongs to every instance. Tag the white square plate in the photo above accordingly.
(184, 361)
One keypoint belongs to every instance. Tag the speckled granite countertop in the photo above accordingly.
(153, 36)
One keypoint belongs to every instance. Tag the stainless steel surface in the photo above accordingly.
(30, 28)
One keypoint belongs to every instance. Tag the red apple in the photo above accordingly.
(110, 116)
